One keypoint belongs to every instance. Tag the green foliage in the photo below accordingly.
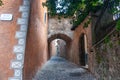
(1, 3)
(98, 58)
(87, 23)
(105, 49)
(110, 45)
(118, 25)
(119, 42)
(51, 6)
(78, 10)
(107, 39)
(113, 4)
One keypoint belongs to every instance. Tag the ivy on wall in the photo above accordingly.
(78, 10)
(118, 25)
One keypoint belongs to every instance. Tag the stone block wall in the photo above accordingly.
(60, 29)
(106, 58)
(61, 26)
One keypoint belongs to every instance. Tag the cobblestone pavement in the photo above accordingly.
(58, 68)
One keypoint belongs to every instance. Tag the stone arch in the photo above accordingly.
(58, 32)
(63, 37)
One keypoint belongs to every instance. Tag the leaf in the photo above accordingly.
(118, 25)
(79, 9)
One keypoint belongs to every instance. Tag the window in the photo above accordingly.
(45, 17)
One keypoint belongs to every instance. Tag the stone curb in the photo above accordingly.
(19, 49)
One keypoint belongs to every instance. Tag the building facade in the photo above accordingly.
(26, 34)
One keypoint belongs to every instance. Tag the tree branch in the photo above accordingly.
(102, 13)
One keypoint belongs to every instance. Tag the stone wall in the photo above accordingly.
(61, 26)
(65, 38)
(106, 58)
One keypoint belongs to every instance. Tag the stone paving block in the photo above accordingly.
(25, 14)
(58, 68)
(16, 64)
(18, 49)
(24, 8)
(21, 21)
(21, 41)
(17, 72)
(14, 78)
(23, 28)
(19, 57)
(20, 34)
(26, 2)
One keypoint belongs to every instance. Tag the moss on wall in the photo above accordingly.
(107, 58)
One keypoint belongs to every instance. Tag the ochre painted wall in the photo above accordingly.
(36, 46)
(7, 37)
(74, 52)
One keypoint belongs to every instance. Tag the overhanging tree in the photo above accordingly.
(1, 3)
(78, 10)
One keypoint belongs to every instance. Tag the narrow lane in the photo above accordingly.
(58, 68)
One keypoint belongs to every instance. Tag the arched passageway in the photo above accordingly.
(83, 59)
(58, 67)
(58, 48)
(62, 41)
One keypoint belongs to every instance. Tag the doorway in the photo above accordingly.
(83, 57)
